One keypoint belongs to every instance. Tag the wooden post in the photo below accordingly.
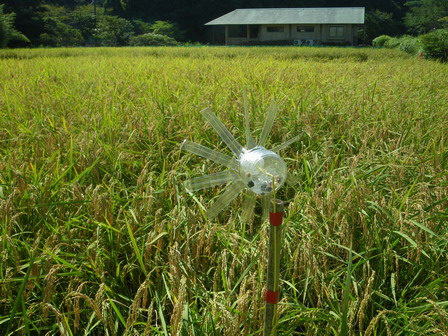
(273, 272)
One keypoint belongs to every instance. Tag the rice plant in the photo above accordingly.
(98, 236)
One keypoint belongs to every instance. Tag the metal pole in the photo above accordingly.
(273, 272)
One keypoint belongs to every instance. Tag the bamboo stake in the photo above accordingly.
(273, 272)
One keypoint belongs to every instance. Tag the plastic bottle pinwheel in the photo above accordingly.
(252, 168)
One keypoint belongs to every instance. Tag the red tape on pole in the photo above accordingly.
(276, 218)
(271, 297)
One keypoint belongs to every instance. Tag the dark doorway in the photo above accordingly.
(218, 35)
(254, 30)
(236, 31)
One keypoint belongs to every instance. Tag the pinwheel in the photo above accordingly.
(255, 169)
(260, 172)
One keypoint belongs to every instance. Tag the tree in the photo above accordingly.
(166, 28)
(81, 18)
(28, 19)
(117, 7)
(84, 19)
(59, 34)
(141, 27)
(377, 23)
(426, 15)
(114, 31)
(7, 31)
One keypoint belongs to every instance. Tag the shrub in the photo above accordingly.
(380, 40)
(409, 44)
(392, 43)
(435, 44)
(151, 39)
(406, 43)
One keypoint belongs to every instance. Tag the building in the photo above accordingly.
(288, 26)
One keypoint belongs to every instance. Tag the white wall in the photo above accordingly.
(265, 36)
(325, 36)
(321, 34)
(305, 35)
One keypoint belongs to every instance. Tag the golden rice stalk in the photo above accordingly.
(176, 317)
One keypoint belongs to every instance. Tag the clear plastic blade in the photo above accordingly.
(265, 204)
(210, 180)
(223, 201)
(208, 153)
(272, 113)
(223, 132)
(248, 207)
(250, 142)
(278, 148)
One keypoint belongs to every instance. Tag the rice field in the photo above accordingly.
(99, 236)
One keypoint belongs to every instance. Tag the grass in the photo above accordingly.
(99, 237)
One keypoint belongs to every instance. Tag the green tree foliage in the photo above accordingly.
(114, 31)
(67, 26)
(151, 39)
(59, 34)
(444, 22)
(141, 27)
(435, 44)
(28, 20)
(166, 28)
(117, 7)
(184, 19)
(7, 30)
(81, 18)
(84, 19)
(426, 15)
(377, 23)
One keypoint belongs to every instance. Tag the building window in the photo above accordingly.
(305, 29)
(237, 31)
(336, 31)
(275, 29)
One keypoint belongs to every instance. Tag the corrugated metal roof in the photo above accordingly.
(335, 15)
